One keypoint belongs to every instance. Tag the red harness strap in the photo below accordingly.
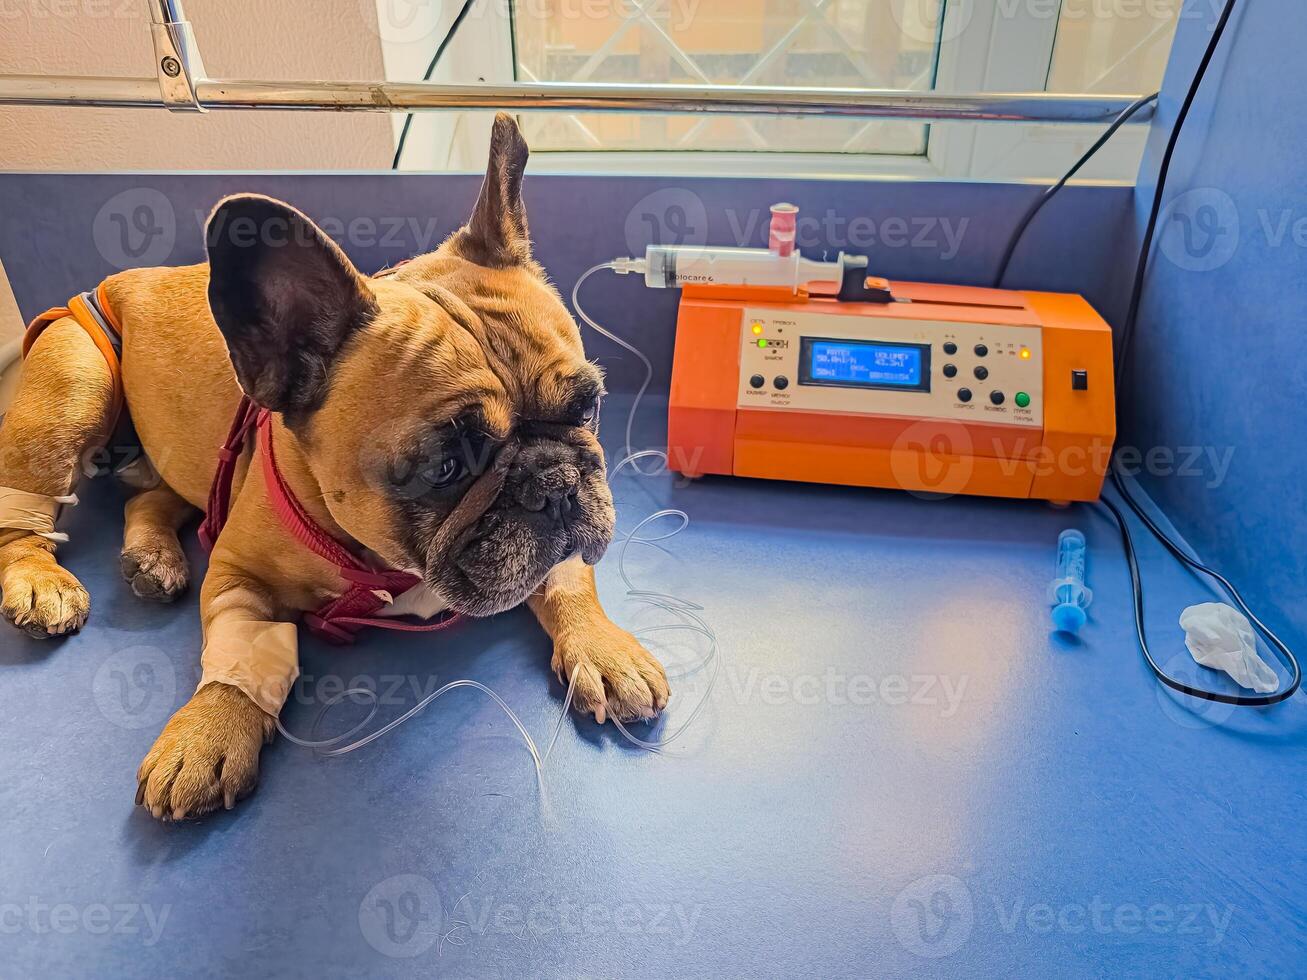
(215, 515)
(369, 590)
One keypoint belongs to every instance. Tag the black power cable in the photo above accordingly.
(1015, 238)
(1136, 584)
(426, 76)
(1141, 267)
(1286, 655)
(1122, 361)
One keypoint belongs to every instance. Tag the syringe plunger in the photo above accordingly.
(1068, 593)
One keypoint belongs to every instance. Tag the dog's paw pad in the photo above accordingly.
(159, 574)
(44, 601)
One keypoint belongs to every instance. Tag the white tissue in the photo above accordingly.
(1220, 637)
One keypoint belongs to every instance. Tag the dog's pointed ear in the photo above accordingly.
(496, 234)
(285, 297)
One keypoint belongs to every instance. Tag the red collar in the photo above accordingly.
(368, 590)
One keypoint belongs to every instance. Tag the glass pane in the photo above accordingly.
(798, 43)
(1125, 51)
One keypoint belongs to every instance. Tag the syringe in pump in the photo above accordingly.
(780, 265)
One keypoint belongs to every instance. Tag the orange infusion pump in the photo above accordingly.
(863, 382)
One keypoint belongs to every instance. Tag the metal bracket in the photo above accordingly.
(177, 59)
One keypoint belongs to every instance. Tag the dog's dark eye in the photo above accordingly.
(451, 470)
(590, 414)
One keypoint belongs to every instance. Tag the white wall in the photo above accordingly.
(10, 325)
(275, 39)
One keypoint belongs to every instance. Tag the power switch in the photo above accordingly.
(1079, 379)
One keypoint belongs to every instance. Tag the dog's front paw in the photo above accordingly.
(158, 573)
(615, 675)
(43, 599)
(206, 756)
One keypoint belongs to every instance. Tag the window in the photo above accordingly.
(1091, 46)
(794, 43)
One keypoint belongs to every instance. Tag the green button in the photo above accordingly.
(1023, 400)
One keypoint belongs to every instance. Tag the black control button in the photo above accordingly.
(950, 348)
(950, 370)
(982, 373)
(981, 350)
(1079, 380)
(757, 381)
(964, 394)
(997, 397)
(781, 382)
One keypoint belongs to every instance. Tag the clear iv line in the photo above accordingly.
(683, 609)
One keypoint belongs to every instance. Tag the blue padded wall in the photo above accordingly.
(62, 233)
(1218, 360)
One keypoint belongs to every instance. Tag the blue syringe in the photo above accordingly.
(1068, 593)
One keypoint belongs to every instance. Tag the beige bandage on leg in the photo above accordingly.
(35, 512)
(259, 658)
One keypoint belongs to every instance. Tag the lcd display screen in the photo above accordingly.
(864, 364)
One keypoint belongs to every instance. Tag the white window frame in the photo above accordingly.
(1009, 52)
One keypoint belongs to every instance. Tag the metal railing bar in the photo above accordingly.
(362, 96)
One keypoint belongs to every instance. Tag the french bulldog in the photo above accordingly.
(390, 399)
